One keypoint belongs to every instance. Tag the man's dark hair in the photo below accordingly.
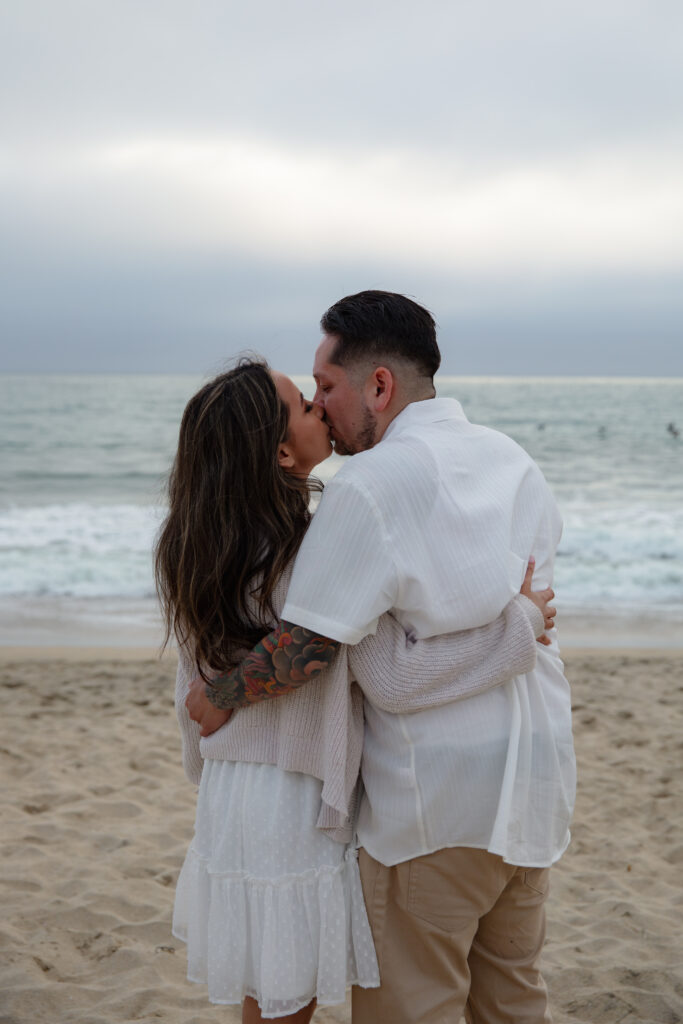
(376, 325)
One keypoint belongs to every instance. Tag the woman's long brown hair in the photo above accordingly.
(235, 519)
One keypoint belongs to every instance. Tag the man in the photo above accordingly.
(466, 806)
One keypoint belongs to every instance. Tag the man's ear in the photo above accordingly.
(285, 456)
(381, 386)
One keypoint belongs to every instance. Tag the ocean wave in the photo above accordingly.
(628, 556)
(622, 557)
(78, 550)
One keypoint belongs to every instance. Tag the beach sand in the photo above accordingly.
(97, 815)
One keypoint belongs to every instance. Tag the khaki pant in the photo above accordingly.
(457, 932)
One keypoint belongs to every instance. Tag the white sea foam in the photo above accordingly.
(622, 557)
(82, 466)
(629, 557)
(78, 550)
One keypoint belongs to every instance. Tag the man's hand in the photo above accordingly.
(203, 711)
(541, 599)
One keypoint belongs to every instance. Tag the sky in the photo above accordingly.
(180, 182)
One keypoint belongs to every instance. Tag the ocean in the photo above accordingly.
(84, 461)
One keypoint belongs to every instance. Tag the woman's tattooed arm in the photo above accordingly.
(279, 664)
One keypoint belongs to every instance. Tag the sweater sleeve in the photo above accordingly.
(189, 730)
(400, 674)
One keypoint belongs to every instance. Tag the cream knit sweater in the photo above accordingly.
(318, 729)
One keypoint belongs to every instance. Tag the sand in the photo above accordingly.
(97, 815)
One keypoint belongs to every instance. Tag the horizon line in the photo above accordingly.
(479, 377)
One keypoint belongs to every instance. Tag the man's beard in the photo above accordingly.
(364, 439)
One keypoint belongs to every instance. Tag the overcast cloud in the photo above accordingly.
(180, 181)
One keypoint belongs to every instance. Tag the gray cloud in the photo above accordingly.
(490, 81)
(514, 166)
(178, 316)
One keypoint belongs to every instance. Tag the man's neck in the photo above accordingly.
(393, 412)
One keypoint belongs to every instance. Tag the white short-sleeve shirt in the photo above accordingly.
(436, 523)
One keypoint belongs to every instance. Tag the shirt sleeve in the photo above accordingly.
(344, 576)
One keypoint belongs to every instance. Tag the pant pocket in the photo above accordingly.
(434, 896)
(537, 879)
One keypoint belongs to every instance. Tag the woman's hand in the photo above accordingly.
(202, 710)
(541, 599)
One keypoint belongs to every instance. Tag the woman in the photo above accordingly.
(269, 898)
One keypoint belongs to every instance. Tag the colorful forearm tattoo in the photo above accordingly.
(281, 663)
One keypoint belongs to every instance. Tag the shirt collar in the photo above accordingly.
(431, 410)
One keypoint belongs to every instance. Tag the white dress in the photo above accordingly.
(270, 906)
